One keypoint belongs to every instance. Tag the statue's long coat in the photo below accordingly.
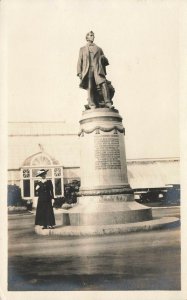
(99, 68)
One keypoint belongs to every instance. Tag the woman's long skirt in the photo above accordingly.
(44, 213)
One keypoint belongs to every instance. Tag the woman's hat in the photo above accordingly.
(41, 172)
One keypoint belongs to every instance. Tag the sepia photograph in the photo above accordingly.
(91, 149)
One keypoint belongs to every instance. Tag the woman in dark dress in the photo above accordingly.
(44, 211)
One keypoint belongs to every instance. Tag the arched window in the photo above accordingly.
(41, 160)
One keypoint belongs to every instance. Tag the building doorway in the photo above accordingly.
(29, 180)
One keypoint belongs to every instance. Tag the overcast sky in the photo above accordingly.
(141, 41)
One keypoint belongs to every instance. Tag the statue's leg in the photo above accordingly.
(91, 87)
(106, 94)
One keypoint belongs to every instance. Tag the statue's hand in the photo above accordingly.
(80, 76)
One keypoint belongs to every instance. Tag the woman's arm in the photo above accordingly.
(51, 189)
(37, 187)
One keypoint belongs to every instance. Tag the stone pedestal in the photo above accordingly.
(105, 196)
(103, 159)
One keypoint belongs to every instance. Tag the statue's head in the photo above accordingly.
(90, 36)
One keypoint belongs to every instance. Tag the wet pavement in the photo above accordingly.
(135, 261)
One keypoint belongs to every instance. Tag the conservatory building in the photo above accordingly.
(55, 146)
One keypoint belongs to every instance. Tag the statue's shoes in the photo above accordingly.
(109, 105)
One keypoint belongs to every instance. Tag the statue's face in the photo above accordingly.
(90, 37)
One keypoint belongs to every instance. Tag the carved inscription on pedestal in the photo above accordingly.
(107, 152)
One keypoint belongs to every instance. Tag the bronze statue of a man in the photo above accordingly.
(91, 69)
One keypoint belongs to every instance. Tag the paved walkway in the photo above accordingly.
(147, 260)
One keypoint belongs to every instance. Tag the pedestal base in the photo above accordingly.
(106, 210)
(100, 230)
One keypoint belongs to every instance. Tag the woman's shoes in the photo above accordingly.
(48, 227)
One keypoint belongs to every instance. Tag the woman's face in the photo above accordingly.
(44, 176)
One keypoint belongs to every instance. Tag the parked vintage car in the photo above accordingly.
(169, 194)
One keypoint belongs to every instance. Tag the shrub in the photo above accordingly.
(58, 202)
(70, 191)
(14, 196)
